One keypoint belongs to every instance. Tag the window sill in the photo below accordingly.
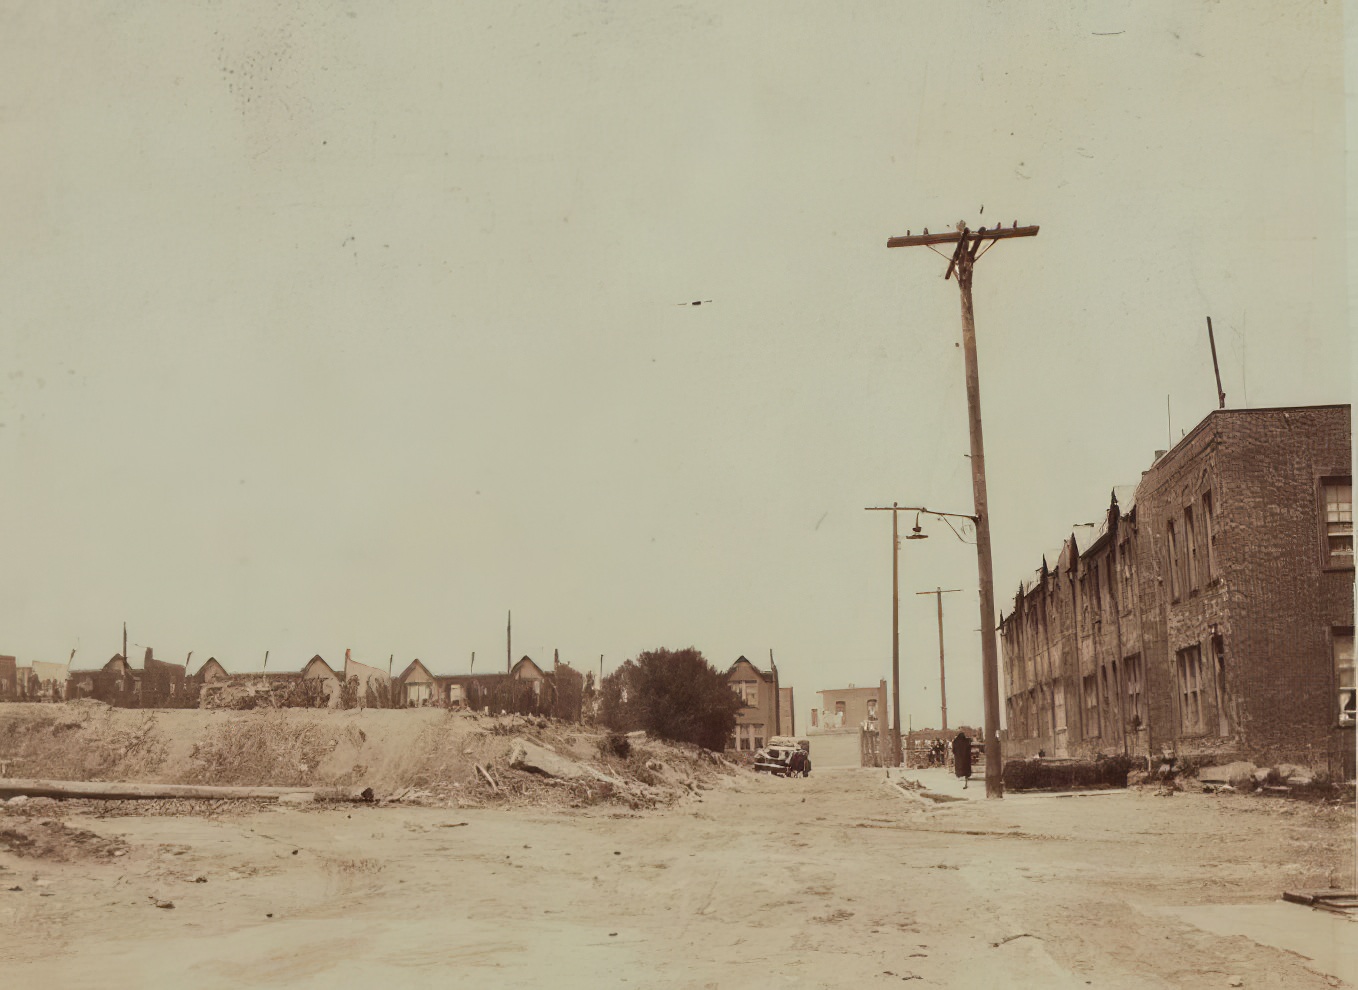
(1327, 567)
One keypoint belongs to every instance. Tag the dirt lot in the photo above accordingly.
(831, 881)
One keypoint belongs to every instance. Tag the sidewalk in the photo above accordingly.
(941, 780)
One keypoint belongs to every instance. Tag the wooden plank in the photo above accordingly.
(952, 236)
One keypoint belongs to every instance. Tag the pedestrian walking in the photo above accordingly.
(961, 758)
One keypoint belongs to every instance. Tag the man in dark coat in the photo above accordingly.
(961, 758)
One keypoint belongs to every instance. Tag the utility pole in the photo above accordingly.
(509, 643)
(894, 508)
(942, 675)
(964, 257)
(777, 699)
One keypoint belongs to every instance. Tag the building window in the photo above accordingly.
(839, 708)
(1173, 541)
(1209, 535)
(1338, 520)
(1136, 713)
(1219, 684)
(1342, 646)
(748, 692)
(1125, 571)
(1191, 550)
(1189, 670)
(872, 708)
(1091, 686)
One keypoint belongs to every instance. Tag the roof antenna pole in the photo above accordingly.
(1221, 396)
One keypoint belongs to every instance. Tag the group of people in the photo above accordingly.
(799, 764)
(961, 756)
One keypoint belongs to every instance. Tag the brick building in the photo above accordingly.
(759, 720)
(852, 708)
(787, 712)
(1209, 613)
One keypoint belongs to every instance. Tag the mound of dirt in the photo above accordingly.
(47, 838)
(427, 755)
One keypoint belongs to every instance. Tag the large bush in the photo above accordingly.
(672, 694)
(1044, 775)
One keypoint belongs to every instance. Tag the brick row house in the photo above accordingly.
(767, 709)
(1209, 613)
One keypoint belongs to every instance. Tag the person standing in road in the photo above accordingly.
(961, 758)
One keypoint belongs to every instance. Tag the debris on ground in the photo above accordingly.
(1237, 774)
(47, 838)
(429, 756)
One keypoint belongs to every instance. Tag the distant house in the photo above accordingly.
(527, 670)
(852, 708)
(759, 719)
(370, 680)
(43, 681)
(466, 690)
(115, 682)
(418, 686)
(317, 669)
(211, 672)
(9, 678)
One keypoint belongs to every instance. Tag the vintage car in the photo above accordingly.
(778, 760)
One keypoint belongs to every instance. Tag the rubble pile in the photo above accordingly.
(426, 756)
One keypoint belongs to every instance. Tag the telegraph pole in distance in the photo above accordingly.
(964, 257)
(942, 676)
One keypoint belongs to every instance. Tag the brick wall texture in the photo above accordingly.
(1198, 617)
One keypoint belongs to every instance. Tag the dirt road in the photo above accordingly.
(832, 881)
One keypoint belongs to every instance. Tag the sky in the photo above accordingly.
(353, 326)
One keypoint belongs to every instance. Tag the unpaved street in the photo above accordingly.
(831, 881)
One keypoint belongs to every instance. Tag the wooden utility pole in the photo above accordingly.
(894, 508)
(1211, 339)
(509, 642)
(942, 675)
(965, 254)
(777, 699)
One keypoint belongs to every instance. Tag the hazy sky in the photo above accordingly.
(333, 326)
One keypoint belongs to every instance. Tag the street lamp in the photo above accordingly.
(915, 534)
(897, 757)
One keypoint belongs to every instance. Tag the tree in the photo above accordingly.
(672, 694)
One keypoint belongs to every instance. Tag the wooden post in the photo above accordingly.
(942, 673)
(1211, 338)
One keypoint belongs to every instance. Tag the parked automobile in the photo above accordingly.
(781, 761)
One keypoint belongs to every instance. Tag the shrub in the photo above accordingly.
(1040, 775)
(615, 744)
(674, 695)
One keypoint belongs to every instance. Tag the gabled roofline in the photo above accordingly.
(411, 667)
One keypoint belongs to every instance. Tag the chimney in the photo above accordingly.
(346, 656)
